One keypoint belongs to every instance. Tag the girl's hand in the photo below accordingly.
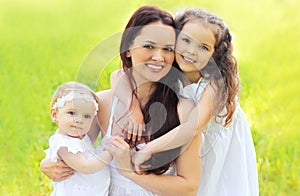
(139, 158)
(134, 125)
(56, 171)
(121, 154)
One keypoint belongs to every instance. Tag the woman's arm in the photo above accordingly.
(57, 171)
(84, 164)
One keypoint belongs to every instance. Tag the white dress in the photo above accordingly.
(96, 184)
(120, 185)
(228, 154)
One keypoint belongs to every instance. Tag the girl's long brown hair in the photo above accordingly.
(221, 70)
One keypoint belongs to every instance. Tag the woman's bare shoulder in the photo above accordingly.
(105, 94)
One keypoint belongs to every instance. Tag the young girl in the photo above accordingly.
(204, 55)
(74, 107)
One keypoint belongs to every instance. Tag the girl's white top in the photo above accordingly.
(96, 184)
(121, 186)
(228, 154)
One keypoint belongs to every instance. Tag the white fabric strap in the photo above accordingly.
(113, 109)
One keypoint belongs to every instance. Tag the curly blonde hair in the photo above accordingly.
(221, 70)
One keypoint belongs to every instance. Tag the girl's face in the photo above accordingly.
(75, 117)
(152, 52)
(194, 47)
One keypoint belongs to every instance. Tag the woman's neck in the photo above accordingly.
(193, 77)
(144, 91)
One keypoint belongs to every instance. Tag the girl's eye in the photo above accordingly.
(71, 113)
(203, 48)
(168, 49)
(149, 46)
(186, 40)
(87, 116)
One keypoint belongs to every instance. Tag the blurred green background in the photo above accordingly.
(44, 43)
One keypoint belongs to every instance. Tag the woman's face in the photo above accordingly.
(194, 47)
(152, 52)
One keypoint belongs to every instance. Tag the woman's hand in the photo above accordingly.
(56, 171)
(121, 154)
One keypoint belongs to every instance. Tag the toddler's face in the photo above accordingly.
(75, 117)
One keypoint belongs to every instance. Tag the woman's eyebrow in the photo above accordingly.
(154, 43)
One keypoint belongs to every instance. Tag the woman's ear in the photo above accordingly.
(53, 113)
(128, 54)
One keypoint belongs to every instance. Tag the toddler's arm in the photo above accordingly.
(83, 164)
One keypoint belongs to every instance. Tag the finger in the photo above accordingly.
(135, 131)
(137, 169)
(124, 125)
(61, 164)
(140, 132)
(63, 177)
(145, 166)
(129, 130)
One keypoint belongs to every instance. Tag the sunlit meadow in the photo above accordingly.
(44, 43)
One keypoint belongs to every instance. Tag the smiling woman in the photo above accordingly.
(152, 52)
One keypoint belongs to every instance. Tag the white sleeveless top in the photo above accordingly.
(228, 154)
(121, 186)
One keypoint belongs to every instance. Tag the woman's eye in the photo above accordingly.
(168, 49)
(71, 113)
(148, 46)
(87, 116)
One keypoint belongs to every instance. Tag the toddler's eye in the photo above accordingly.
(71, 113)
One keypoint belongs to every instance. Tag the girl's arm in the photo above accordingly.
(84, 164)
(182, 134)
(134, 122)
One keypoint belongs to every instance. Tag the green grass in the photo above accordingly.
(45, 43)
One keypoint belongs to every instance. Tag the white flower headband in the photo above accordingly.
(60, 102)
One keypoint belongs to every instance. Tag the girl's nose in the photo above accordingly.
(192, 49)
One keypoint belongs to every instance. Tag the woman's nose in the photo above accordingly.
(157, 55)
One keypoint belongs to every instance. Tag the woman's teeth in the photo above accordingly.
(157, 67)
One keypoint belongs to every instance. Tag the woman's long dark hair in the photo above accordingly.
(165, 116)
